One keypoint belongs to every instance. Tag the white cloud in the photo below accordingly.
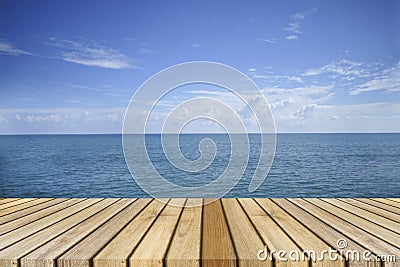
(292, 37)
(273, 78)
(344, 69)
(271, 41)
(196, 45)
(387, 80)
(68, 120)
(90, 53)
(375, 117)
(294, 25)
(7, 48)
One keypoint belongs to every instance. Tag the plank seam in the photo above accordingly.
(369, 210)
(201, 235)
(283, 230)
(67, 229)
(360, 217)
(48, 225)
(33, 211)
(44, 217)
(317, 235)
(121, 229)
(377, 206)
(173, 233)
(273, 263)
(230, 232)
(50, 199)
(119, 200)
(320, 219)
(355, 226)
(17, 204)
(144, 234)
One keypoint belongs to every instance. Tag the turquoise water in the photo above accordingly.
(305, 165)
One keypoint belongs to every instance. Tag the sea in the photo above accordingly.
(305, 165)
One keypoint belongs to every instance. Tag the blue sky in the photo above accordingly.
(324, 66)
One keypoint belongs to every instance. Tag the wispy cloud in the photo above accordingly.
(197, 45)
(345, 68)
(78, 86)
(270, 41)
(271, 77)
(61, 120)
(292, 37)
(387, 80)
(294, 25)
(90, 53)
(7, 48)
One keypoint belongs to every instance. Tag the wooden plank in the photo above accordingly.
(383, 233)
(6, 200)
(45, 255)
(372, 217)
(273, 236)
(13, 223)
(327, 233)
(10, 256)
(15, 203)
(395, 199)
(379, 205)
(387, 204)
(371, 242)
(160, 233)
(18, 214)
(306, 239)
(185, 246)
(82, 253)
(380, 212)
(217, 245)
(23, 206)
(246, 240)
(29, 229)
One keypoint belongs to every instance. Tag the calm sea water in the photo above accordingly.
(305, 165)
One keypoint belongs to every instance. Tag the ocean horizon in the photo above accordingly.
(305, 165)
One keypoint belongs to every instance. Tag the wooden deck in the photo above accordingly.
(227, 232)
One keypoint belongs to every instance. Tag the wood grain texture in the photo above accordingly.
(327, 233)
(371, 242)
(32, 209)
(185, 246)
(12, 254)
(272, 234)
(23, 206)
(383, 233)
(171, 232)
(306, 239)
(29, 229)
(386, 204)
(381, 212)
(245, 238)
(12, 223)
(6, 200)
(153, 247)
(370, 216)
(57, 246)
(83, 253)
(217, 245)
(15, 203)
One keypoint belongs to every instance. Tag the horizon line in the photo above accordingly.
(158, 133)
